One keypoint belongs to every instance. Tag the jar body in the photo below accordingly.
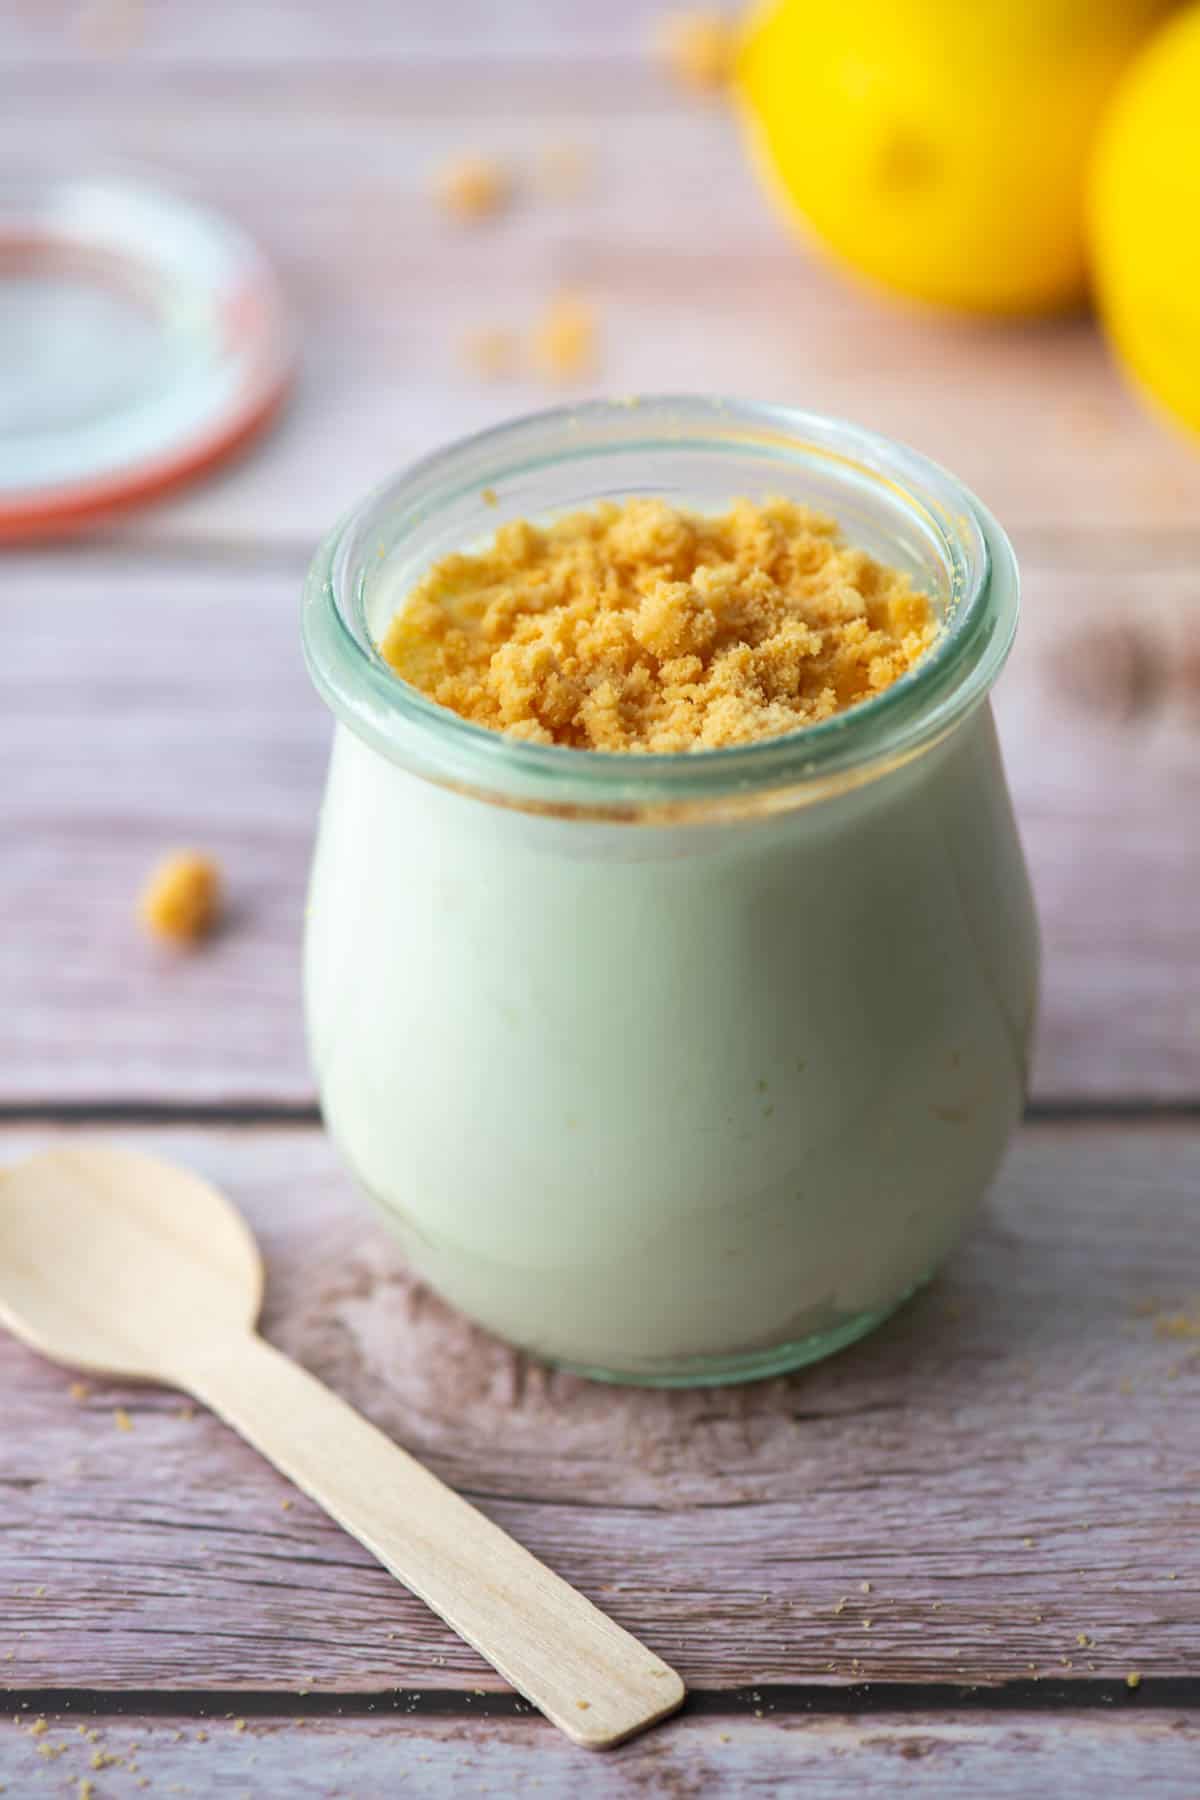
(674, 1102)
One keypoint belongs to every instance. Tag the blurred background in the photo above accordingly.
(967, 227)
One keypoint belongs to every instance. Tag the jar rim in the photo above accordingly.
(792, 768)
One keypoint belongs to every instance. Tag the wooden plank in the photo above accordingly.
(149, 702)
(1012, 1465)
(66, 33)
(694, 282)
(1077, 1755)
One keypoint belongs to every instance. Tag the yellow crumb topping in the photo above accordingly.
(564, 339)
(473, 187)
(641, 627)
(182, 899)
(698, 48)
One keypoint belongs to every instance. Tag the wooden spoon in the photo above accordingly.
(123, 1265)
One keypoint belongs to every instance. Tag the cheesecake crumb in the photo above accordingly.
(1178, 1325)
(564, 346)
(79, 1390)
(86, 1789)
(122, 1419)
(698, 49)
(473, 187)
(1133, 1679)
(641, 627)
(182, 899)
(490, 351)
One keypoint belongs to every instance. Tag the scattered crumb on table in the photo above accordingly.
(1133, 1679)
(122, 1418)
(565, 339)
(490, 351)
(473, 187)
(698, 48)
(181, 900)
(1177, 1325)
(79, 1390)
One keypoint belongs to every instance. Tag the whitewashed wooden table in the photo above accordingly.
(1013, 1465)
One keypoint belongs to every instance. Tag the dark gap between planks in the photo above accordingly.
(305, 1113)
(781, 1700)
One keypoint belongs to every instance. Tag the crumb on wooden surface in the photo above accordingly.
(1133, 1679)
(698, 48)
(490, 351)
(1178, 1325)
(79, 1390)
(181, 900)
(473, 187)
(565, 339)
(122, 1419)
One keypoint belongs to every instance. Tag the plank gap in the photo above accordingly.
(830, 1698)
(1052, 1110)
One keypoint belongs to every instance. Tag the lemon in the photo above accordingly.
(1145, 218)
(940, 146)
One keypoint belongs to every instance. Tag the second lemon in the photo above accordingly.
(941, 148)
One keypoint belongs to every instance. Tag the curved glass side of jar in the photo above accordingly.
(674, 1102)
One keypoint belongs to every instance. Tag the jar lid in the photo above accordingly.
(141, 339)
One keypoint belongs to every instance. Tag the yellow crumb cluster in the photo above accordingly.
(473, 187)
(564, 340)
(641, 627)
(182, 899)
(699, 48)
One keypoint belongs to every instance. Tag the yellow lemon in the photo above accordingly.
(940, 146)
(1145, 217)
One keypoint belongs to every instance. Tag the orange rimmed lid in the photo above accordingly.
(142, 338)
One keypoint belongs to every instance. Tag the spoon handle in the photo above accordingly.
(588, 1675)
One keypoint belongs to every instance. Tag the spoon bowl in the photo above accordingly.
(120, 1264)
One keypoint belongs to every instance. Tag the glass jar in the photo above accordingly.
(673, 1069)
